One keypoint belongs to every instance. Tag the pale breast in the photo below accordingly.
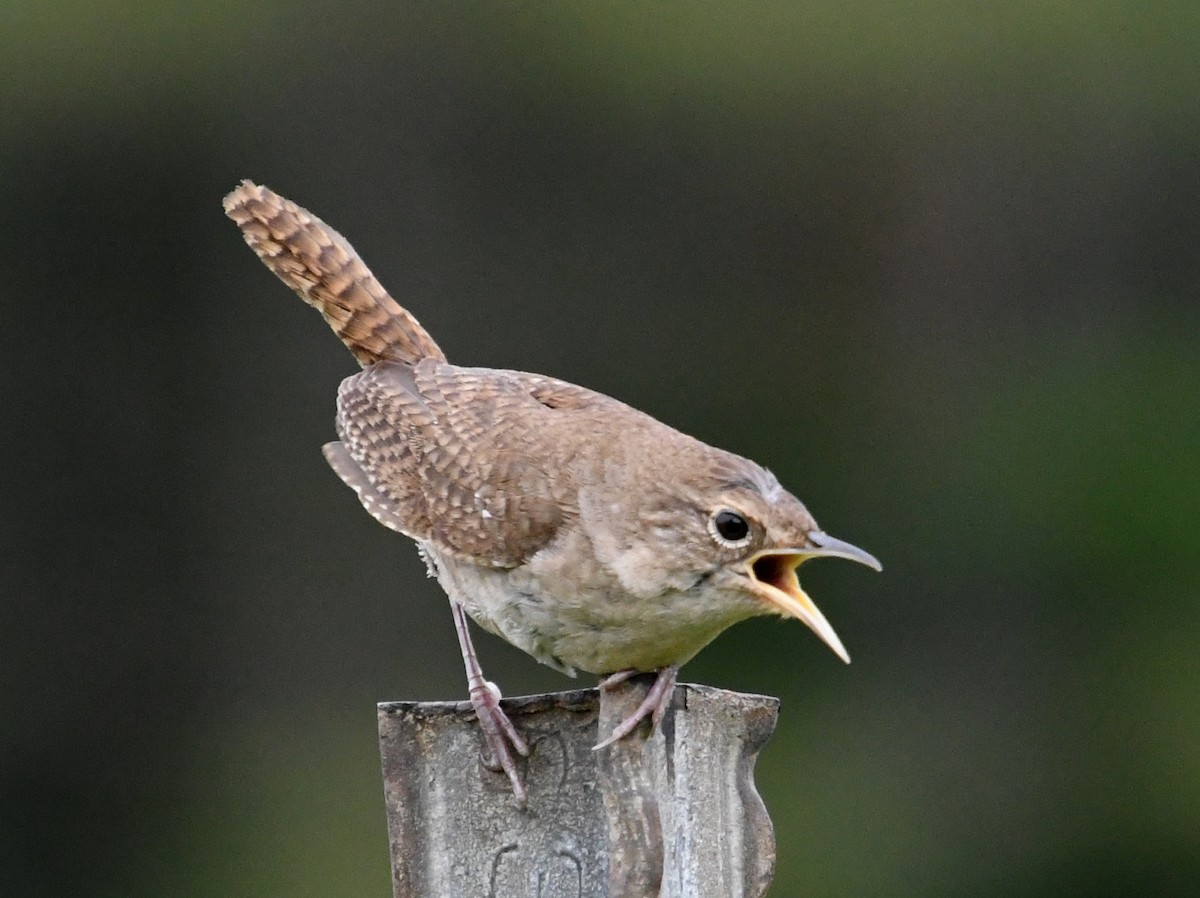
(590, 628)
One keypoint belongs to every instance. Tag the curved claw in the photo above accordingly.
(654, 705)
(501, 738)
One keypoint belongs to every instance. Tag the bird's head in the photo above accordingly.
(763, 534)
(732, 533)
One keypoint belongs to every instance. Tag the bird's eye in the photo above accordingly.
(729, 528)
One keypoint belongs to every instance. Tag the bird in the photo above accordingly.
(587, 533)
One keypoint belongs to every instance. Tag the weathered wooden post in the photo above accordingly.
(675, 815)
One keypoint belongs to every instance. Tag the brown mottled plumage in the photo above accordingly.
(579, 529)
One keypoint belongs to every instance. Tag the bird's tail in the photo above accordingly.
(323, 268)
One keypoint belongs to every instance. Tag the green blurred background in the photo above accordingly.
(935, 264)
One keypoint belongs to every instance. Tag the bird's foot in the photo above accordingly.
(654, 705)
(501, 737)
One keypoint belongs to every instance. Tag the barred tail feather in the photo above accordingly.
(323, 268)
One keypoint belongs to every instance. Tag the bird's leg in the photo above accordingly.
(618, 678)
(654, 705)
(498, 731)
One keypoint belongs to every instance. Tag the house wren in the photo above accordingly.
(586, 533)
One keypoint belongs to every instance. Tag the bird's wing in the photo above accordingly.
(466, 458)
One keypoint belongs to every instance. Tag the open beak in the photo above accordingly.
(773, 571)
